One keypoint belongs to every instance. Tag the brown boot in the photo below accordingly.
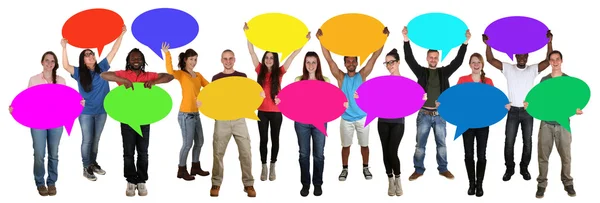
(214, 191)
(250, 190)
(197, 170)
(42, 190)
(183, 173)
(51, 190)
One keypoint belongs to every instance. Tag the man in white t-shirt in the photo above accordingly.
(520, 78)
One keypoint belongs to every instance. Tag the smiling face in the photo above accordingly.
(476, 65)
(433, 57)
(228, 60)
(521, 60)
(89, 58)
(48, 62)
(350, 63)
(135, 60)
(555, 61)
(269, 60)
(190, 62)
(391, 64)
(311, 64)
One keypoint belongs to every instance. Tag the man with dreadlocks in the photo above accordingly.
(135, 72)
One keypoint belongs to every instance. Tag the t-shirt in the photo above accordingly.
(39, 79)
(190, 87)
(519, 81)
(223, 75)
(349, 87)
(268, 104)
(133, 77)
(300, 78)
(549, 76)
(469, 78)
(94, 100)
(434, 88)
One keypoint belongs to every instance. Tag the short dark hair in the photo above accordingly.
(556, 52)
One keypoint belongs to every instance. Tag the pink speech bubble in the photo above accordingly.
(47, 106)
(312, 102)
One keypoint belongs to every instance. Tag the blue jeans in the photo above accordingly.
(424, 124)
(191, 129)
(305, 132)
(91, 129)
(41, 138)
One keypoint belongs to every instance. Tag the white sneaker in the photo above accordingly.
(391, 186)
(130, 192)
(142, 190)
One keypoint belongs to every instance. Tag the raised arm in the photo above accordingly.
(290, 58)
(459, 59)
(168, 60)
(489, 55)
(546, 62)
(335, 71)
(65, 58)
(409, 57)
(116, 46)
(255, 60)
(365, 71)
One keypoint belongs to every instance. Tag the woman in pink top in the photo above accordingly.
(49, 137)
(481, 134)
(269, 77)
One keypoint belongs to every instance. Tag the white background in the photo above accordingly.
(33, 27)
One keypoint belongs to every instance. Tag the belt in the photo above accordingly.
(430, 112)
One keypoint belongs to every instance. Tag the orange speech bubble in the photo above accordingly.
(353, 34)
(93, 28)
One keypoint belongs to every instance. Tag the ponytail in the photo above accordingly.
(482, 76)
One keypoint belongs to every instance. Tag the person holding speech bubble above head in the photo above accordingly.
(520, 78)
(391, 132)
(476, 63)
(93, 89)
(270, 75)
(434, 81)
(311, 70)
(188, 117)
(224, 130)
(552, 132)
(136, 176)
(49, 137)
(353, 118)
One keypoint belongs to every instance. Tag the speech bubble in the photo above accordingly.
(138, 106)
(389, 97)
(231, 98)
(93, 28)
(437, 31)
(353, 34)
(516, 35)
(472, 105)
(557, 99)
(277, 32)
(39, 107)
(312, 102)
(170, 25)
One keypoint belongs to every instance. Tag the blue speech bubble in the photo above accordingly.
(170, 25)
(437, 31)
(472, 105)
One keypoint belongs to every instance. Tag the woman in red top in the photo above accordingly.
(481, 134)
(269, 77)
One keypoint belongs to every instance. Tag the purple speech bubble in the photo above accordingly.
(389, 97)
(47, 106)
(517, 35)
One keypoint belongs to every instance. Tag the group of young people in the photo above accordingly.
(93, 77)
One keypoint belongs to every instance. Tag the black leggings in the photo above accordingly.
(390, 134)
(274, 119)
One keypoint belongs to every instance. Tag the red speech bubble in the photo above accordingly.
(93, 28)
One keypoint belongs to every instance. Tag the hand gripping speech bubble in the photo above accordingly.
(389, 97)
(169, 25)
(437, 31)
(557, 99)
(47, 106)
(353, 34)
(277, 32)
(312, 102)
(138, 106)
(231, 98)
(503, 35)
(472, 105)
(107, 26)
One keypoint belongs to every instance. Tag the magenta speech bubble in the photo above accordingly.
(389, 97)
(517, 35)
(312, 102)
(47, 106)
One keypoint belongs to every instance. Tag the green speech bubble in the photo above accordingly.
(557, 99)
(138, 106)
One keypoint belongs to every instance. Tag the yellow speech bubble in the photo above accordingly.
(277, 32)
(231, 98)
(353, 34)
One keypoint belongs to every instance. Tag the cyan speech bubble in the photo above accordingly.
(517, 35)
(389, 97)
(438, 31)
(47, 106)
(170, 25)
(472, 105)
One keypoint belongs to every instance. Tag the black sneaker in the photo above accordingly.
(89, 173)
(540, 192)
(318, 190)
(304, 191)
(97, 169)
(570, 190)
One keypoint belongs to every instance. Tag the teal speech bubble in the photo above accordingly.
(437, 31)
(138, 106)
